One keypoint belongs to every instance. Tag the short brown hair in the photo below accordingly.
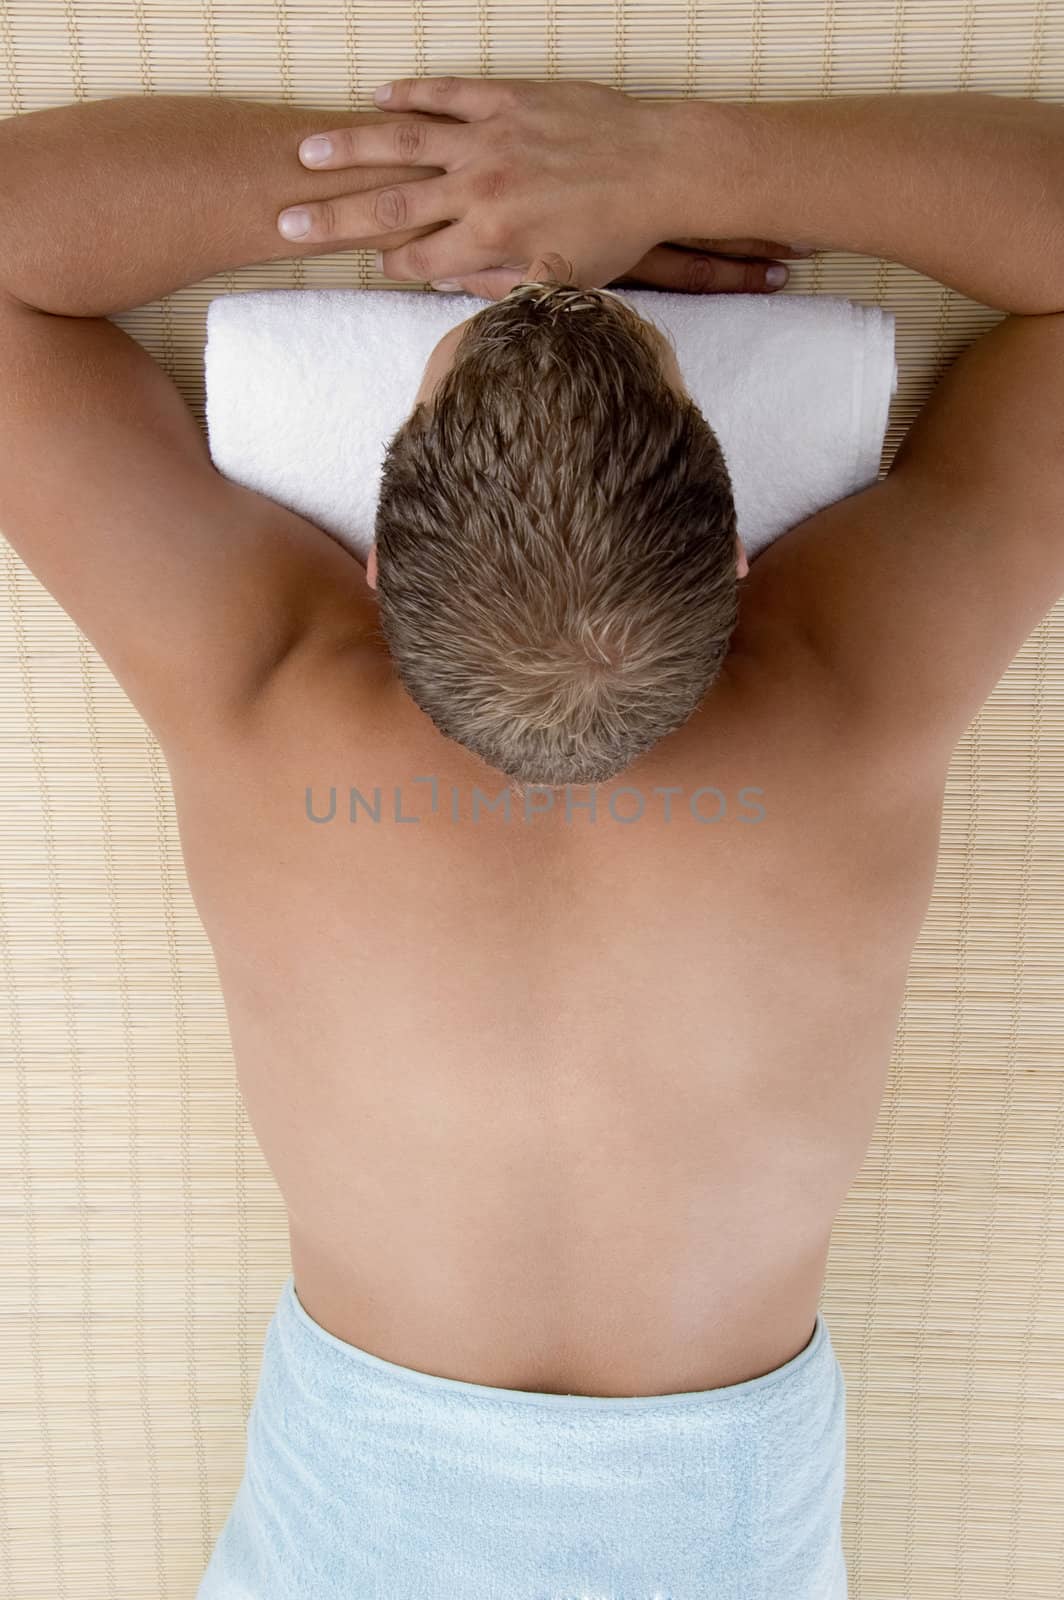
(556, 542)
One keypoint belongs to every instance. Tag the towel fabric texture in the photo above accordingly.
(370, 1480)
(305, 389)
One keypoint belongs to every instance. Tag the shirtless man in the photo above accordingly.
(559, 1109)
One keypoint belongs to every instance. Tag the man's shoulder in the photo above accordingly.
(784, 707)
(324, 702)
(335, 675)
(915, 594)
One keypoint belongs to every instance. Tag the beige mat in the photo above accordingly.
(142, 1242)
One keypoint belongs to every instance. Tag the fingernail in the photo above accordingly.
(314, 151)
(446, 285)
(774, 276)
(294, 224)
(802, 249)
(382, 94)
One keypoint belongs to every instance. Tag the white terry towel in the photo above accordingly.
(305, 388)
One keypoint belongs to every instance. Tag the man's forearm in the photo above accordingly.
(967, 188)
(110, 204)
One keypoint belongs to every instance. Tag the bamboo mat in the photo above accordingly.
(142, 1243)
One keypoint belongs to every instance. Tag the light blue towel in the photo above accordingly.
(370, 1481)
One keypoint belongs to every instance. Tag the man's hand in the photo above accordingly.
(567, 181)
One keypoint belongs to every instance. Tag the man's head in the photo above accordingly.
(556, 555)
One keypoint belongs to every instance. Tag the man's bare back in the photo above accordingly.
(558, 1104)
(553, 1104)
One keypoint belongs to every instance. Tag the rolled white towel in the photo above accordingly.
(305, 388)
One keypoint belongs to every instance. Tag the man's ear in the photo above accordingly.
(742, 566)
(371, 567)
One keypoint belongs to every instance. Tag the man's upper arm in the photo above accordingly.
(915, 594)
(191, 587)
